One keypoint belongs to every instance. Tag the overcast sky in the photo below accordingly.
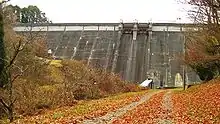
(108, 10)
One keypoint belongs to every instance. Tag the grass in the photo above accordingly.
(87, 106)
(55, 71)
(56, 63)
(177, 90)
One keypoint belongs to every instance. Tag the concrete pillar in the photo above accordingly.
(131, 62)
(148, 58)
(135, 49)
(116, 54)
(166, 57)
(144, 60)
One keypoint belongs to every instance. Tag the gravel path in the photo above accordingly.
(167, 106)
(108, 118)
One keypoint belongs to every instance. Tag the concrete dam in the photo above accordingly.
(136, 51)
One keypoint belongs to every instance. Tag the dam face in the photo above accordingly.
(136, 51)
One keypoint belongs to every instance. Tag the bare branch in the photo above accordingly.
(4, 104)
(17, 50)
(4, 1)
(20, 74)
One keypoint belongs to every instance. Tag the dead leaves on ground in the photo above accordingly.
(147, 112)
(84, 110)
(200, 104)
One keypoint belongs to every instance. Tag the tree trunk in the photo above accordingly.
(2, 50)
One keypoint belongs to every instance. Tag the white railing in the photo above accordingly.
(174, 27)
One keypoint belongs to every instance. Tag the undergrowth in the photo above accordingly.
(61, 83)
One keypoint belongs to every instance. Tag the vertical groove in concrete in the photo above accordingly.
(85, 51)
(166, 56)
(149, 48)
(60, 41)
(112, 51)
(93, 48)
(67, 45)
(116, 54)
(77, 44)
(134, 61)
(144, 62)
(134, 53)
(129, 62)
(108, 54)
(123, 54)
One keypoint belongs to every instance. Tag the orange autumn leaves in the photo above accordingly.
(200, 104)
(147, 112)
(84, 109)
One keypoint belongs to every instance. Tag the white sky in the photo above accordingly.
(75, 11)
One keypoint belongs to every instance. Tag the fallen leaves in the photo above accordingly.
(147, 112)
(84, 109)
(199, 104)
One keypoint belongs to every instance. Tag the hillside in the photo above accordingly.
(63, 83)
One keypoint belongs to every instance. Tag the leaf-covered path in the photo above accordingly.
(154, 107)
(108, 118)
(156, 110)
(167, 106)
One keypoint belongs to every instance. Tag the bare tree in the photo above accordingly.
(19, 58)
(203, 40)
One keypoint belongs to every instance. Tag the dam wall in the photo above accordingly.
(136, 51)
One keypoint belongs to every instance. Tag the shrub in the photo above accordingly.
(52, 86)
(93, 83)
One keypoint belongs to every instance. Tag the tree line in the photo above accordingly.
(30, 14)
